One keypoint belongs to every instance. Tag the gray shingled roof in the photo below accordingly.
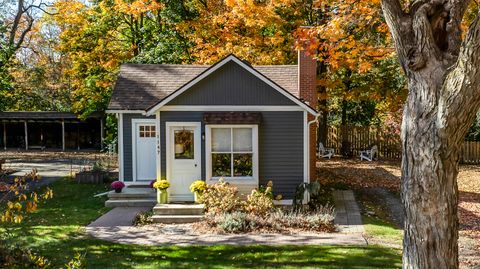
(140, 86)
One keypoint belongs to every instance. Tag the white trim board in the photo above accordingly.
(123, 111)
(159, 146)
(230, 108)
(215, 67)
(306, 153)
(120, 147)
(134, 143)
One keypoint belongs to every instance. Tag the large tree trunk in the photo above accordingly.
(444, 94)
(429, 189)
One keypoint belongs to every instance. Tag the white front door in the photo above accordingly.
(144, 150)
(183, 158)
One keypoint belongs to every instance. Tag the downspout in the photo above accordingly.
(306, 199)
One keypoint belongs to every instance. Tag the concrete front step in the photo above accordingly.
(178, 209)
(132, 194)
(169, 219)
(131, 203)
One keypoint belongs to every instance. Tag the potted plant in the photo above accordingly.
(162, 194)
(198, 187)
(117, 186)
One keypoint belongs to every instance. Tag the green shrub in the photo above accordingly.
(143, 218)
(260, 202)
(220, 198)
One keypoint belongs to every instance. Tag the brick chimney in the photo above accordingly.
(307, 86)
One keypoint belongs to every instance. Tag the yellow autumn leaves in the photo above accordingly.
(22, 203)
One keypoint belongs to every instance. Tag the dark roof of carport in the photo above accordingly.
(140, 86)
(37, 115)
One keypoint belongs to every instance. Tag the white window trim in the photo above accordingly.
(134, 143)
(208, 154)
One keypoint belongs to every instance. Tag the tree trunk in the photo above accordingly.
(429, 189)
(443, 74)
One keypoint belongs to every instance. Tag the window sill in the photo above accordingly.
(236, 180)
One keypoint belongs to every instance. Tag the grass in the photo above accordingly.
(56, 231)
(382, 231)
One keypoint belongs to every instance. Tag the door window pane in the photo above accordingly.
(147, 131)
(242, 139)
(184, 147)
(242, 165)
(221, 140)
(221, 165)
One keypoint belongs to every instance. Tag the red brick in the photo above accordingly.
(307, 84)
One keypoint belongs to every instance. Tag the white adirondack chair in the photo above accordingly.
(369, 154)
(325, 152)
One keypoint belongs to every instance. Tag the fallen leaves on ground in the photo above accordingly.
(359, 175)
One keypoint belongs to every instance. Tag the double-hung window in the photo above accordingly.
(232, 151)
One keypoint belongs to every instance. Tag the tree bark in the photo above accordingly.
(444, 80)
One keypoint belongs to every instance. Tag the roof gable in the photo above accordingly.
(231, 85)
(215, 67)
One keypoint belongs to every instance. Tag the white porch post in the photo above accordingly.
(159, 157)
(63, 135)
(26, 135)
(120, 146)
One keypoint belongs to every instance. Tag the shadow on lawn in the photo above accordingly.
(101, 255)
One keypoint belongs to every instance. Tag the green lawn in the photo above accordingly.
(56, 232)
(382, 231)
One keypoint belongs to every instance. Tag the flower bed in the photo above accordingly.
(226, 212)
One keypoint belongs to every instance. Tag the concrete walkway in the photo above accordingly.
(46, 169)
(118, 217)
(115, 226)
(182, 235)
(348, 218)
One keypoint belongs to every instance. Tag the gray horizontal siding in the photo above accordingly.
(280, 147)
(281, 151)
(127, 144)
(231, 85)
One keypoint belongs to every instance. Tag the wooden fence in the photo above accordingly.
(360, 138)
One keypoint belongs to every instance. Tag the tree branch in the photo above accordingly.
(462, 86)
(397, 21)
(454, 27)
(23, 34)
(16, 22)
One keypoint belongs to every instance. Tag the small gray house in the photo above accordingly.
(248, 124)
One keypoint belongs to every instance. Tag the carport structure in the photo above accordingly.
(48, 130)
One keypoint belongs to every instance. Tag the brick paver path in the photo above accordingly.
(348, 218)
